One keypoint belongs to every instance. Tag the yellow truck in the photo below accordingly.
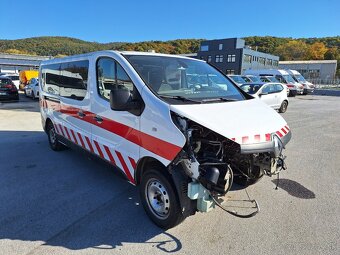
(26, 76)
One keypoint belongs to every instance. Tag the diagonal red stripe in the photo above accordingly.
(108, 152)
(283, 130)
(89, 143)
(257, 138)
(279, 134)
(62, 130)
(81, 140)
(125, 168)
(245, 139)
(98, 149)
(74, 137)
(133, 163)
(268, 137)
(67, 134)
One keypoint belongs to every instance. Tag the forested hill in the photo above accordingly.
(286, 48)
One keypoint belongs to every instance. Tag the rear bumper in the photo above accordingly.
(264, 147)
(308, 91)
(10, 96)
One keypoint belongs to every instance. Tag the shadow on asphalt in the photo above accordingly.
(295, 189)
(67, 199)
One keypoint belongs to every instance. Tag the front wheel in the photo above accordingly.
(159, 198)
(283, 107)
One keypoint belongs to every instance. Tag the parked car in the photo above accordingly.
(14, 77)
(273, 79)
(8, 91)
(252, 78)
(283, 76)
(237, 79)
(181, 138)
(308, 87)
(273, 94)
(32, 88)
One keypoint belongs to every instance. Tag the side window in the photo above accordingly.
(278, 87)
(109, 75)
(280, 78)
(50, 79)
(266, 89)
(73, 79)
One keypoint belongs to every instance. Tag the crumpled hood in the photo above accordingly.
(245, 122)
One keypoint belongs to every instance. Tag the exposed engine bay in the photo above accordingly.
(216, 162)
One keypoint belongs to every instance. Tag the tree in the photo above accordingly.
(293, 50)
(317, 51)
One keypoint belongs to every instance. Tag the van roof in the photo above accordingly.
(86, 55)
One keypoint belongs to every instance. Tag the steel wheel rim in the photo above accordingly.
(52, 136)
(158, 198)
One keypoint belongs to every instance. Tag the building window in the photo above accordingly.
(220, 46)
(231, 58)
(275, 63)
(269, 62)
(230, 71)
(209, 59)
(219, 58)
(262, 61)
(247, 58)
(204, 47)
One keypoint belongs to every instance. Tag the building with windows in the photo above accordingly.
(319, 71)
(14, 63)
(232, 56)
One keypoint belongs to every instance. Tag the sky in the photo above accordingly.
(144, 20)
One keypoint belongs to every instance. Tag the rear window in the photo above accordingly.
(5, 81)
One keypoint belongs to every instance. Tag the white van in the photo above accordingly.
(307, 86)
(282, 75)
(175, 126)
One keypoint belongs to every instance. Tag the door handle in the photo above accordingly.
(81, 114)
(98, 119)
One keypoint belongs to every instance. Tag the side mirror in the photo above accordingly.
(263, 94)
(122, 100)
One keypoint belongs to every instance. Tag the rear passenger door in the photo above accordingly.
(75, 103)
(114, 133)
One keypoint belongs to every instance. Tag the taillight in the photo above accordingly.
(290, 86)
(11, 87)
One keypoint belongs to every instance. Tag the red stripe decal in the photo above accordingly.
(279, 134)
(81, 140)
(89, 143)
(287, 128)
(68, 135)
(74, 137)
(233, 139)
(257, 138)
(125, 168)
(245, 139)
(153, 144)
(133, 163)
(56, 127)
(283, 130)
(108, 152)
(62, 130)
(268, 137)
(98, 149)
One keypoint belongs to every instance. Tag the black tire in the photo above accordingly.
(283, 107)
(32, 94)
(52, 138)
(159, 198)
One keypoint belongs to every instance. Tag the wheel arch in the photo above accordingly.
(143, 164)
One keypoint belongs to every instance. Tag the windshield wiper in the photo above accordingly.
(219, 99)
(180, 98)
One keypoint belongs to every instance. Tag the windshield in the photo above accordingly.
(299, 77)
(254, 78)
(289, 78)
(272, 79)
(251, 88)
(180, 78)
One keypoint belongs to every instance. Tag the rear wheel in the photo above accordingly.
(160, 199)
(283, 107)
(53, 139)
(33, 96)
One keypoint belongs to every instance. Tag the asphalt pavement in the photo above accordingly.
(68, 203)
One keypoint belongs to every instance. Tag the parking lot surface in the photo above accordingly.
(68, 203)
